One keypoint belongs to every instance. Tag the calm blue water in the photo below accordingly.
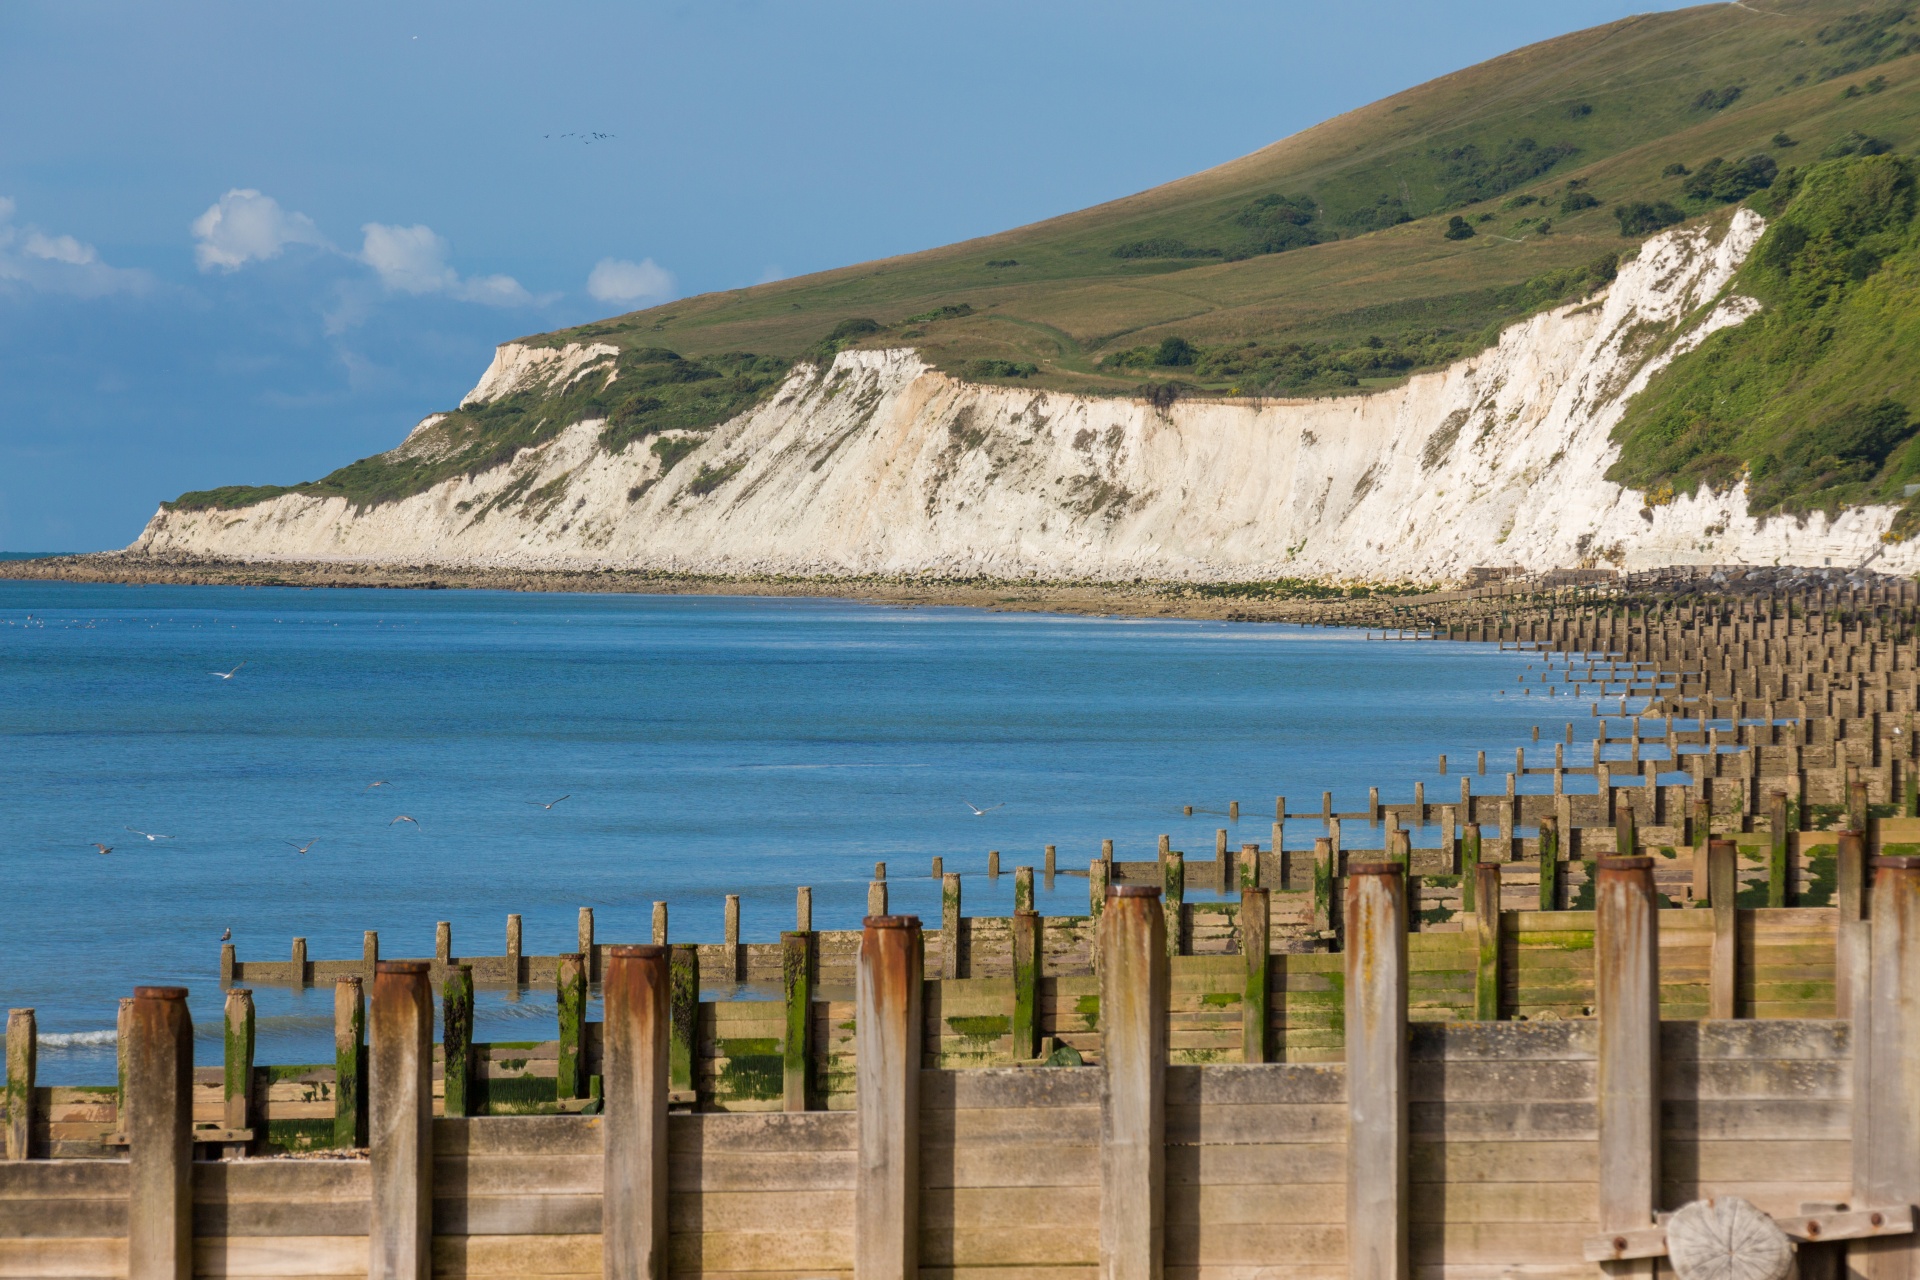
(707, 746)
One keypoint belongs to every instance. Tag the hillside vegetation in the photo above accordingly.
(1394, 238)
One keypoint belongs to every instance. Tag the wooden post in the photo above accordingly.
(1626, 837)
(456, 1041)
(400, 1124)
(803, 909)
(950, 924)
(796, 1053)
(299, 964)
(1047, 868)
(584, 939)
(443, 943)
(1469, 866)
(1255, 949)
(1850, 941)
(349, 1063)
(369, 954)
(1549, 864)
(1249, 867)
(1376, 1029)
(1022, 889)
(633, 1203)
(570, 996)
(1026, 983)
(1175, 900)
(684, 1013)
(1486, 920)
(1857, 805)
(876, 897)
(22, 1060)
(1702, 836)
(1096, 888)
(228, 960)
(1723, 884)
(1627, 1000)
(513, 951)
(993, 860)
(1887, 1128)
(159, 1129)
(659, 924)
(1166, 844)
(236, 1077)
(1777, 861)
(1323, 877)
(1134, 985)
(887, 1034)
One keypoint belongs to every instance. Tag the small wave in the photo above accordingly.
(77, 1039)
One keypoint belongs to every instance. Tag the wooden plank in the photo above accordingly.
(312, 1255)
(1253, 1244)
(1274, 1083)
(715, 1211)
(978, 1207)
(1292, 1163)
(797, 1249)
(995, 1245)
(1213, 1205)
(70, 1259)
(517, 1135)
(1545, 1161)
(474, 1256)
(811, 1132)
(789, 1171)
(527, 1214)
(1528, 1202)
(1078, 1126)
(247, 1218)
(521, 1175)
(1290, 1122)
(68, 1217)
(1011, 1087)
(949, 1165)
(57, 1179)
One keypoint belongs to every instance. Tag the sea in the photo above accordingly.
(315, 763)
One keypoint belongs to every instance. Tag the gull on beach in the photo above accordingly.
(302, 848)
(103, 848)
(148, 834)
(537, 804)
(978, 812)
(226, 675)
(404, 818)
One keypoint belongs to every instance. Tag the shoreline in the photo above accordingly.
(1225, 602)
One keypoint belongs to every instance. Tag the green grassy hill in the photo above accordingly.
(1393, 238)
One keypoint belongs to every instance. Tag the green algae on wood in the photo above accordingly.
(683, 1010)
(456, 1040)
(570, 979)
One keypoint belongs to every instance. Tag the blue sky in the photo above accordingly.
(245, 243)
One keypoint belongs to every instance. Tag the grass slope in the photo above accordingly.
(1393, 238)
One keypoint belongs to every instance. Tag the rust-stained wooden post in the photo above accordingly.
(1255, 950)
(684, 1013)
(1627, 1000)
(796, 1052)
(1886, 1130)
(950, 924)
(1134, 985)
(236, 1075)
(887, 1036)
(1850, 934)
(349, 1063)
(456, 1041)
(633, 1203)
(159, 1128)
(1026, 983)
(1486, 923)
(1376, 1030)
(1722, 886)
(400, 1123)
(1777, 850)
(1174, 903)
(22, 1060)
(570, 997)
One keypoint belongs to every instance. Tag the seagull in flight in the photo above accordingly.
(402, 818)
(302, 848)
(148, 834)
(371, 785)
(226, 675)
(103, 848)
(978, 812)
(537, 804)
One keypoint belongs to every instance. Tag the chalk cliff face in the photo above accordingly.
(881, 465)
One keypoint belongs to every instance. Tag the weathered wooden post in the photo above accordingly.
(1175, 903)
(1850, 933)
(513, 952)
(876, 897)
(1778, 858)
(1134, 985)
(1323, 878)
(442, 943)
(684, 1015)
(1255, 949)
(570, 997)
(1857, 804)
(950, 925)
(1023, 888)
(1550, 864)
(1048, 857)
(1722, 886)
(22, 1061)
(1627, 1000)
(159, 1128)
(349, 1063)
(456, 1041)
(1096, 888)
(659, 924)
(584, 939)
(887, 1034)
(299, 964)
(228, 959)
(633, 1203)
(993, 860)
(236, 1076)
(796, 1053)
(1469, 866)
(1376, 1028)
(803, 909)
(400, 1123)
(1886, 1115)
(1702, 837)
(1486, 922)
(1026, 983)
(1248, 865)
(730, 935)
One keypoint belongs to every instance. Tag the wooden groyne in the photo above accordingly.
(1510, 1039)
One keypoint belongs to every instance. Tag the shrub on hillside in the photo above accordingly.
(1458, 228)
(1856, 143)
(1642, 218)
(1726, 182)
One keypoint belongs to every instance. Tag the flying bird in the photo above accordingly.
(148, 834)
(536, 803)
(226, 935)
(103, 848)
(978, 812)
(371, 785)
(302, 848)
(404, 818)
(226, 675)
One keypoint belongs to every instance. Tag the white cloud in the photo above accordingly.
(616, 280)
(32, 259)
(244, 226)
(414, 260)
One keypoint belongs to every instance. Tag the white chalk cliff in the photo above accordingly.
(881, 465)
